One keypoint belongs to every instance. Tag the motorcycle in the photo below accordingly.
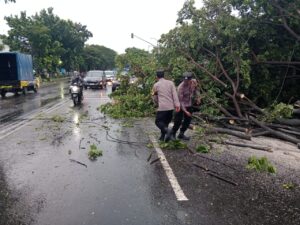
(76, 93)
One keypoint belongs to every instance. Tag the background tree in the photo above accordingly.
(96, 57)
(51, 41)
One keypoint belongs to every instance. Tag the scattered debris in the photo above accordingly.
(149, 145)
(69, 152)
(155, 160)
(176, 144)
(223, 179)
(80, 143)
(80, 163)
(289, 186)
(127, 124)
(58, 139)
(254, 146)
(214, 174)
(31, 153)
(203, 148)
(260, 164)
(94, 152)
(149, 157)
(58, 119)
(95, 138)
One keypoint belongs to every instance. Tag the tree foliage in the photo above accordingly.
(96, 57)
(52, 41)
(237, 48)
(133, 100)
(244, 53)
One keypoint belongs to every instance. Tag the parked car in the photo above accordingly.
(95, 79)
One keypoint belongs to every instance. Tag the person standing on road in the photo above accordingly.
(165, 96)
(187, 92)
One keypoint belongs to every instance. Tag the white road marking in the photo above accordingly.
(169, 172)
(17, 126)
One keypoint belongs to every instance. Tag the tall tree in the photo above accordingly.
(96, 57)
(52, 41)
(238, 48)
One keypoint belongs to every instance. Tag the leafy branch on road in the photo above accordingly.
(260, 164)
(94, 152)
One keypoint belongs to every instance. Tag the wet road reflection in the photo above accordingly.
(12, 106)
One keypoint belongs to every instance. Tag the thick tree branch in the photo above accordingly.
(204, 69)
(285, 24)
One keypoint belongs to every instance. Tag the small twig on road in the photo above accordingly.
(95, 138)
(223, 179)
(31, 153)
(214, 174)
(80, 163)
(149, 157)
(155, 160)
(201, 167)
(80, 143)
(204, 157)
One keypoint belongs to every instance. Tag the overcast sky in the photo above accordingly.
(110, 21)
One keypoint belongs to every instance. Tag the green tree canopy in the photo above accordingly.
(52, 41)
(96, 57)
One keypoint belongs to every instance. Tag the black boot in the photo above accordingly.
(183, 137)
(162, 137)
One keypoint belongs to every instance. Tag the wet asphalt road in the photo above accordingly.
(46, 177)
(47, 167)
(13, 107)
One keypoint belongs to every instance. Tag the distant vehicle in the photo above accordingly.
(110, 76)
(115, 85)
(117, 82)
(16, 73)
(95, 79)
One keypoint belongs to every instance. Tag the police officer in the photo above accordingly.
(165, 96)
(186, 92)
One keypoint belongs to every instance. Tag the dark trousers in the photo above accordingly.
(163, 118)
(178, 120)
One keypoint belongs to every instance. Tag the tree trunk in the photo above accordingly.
(277, 133)
(228, 131)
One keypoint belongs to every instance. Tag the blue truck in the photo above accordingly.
(16, 73)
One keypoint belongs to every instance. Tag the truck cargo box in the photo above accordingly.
(15, 66)
(16, 73)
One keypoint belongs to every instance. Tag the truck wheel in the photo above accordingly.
(35, 89)
(3, 94)
(24, 91)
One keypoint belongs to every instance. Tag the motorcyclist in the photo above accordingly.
(79, 82)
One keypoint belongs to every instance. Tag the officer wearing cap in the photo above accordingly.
(186, 92)
(165, 96)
